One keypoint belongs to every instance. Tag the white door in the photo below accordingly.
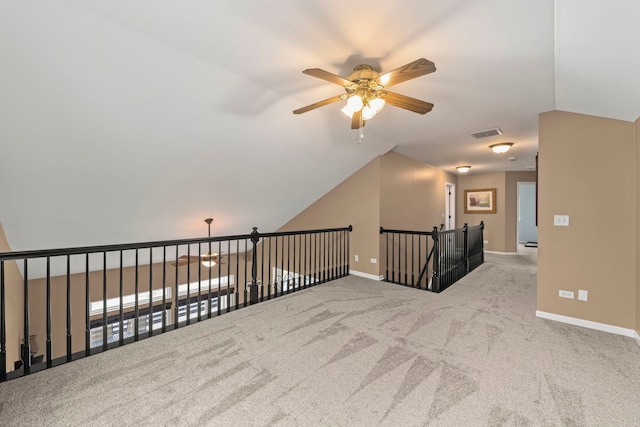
(449, 206)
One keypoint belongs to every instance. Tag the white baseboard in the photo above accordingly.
(500, 253)
(589, 324)
(366, 275)
(637, 337)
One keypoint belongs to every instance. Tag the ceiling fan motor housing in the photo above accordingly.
(363, 72)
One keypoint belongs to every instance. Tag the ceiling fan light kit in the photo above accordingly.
(365, 90)
(208, 259)
(502, 147)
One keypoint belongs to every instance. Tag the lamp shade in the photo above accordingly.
(354, 103)
(207, 259)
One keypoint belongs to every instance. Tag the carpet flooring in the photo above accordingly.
(354, 352)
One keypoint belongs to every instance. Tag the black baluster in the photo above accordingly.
(136, 306)
(269, 283)
(413, 265)
(406, 259)
(48, 338)
(188, 299)
(87, 313)
(176, 297)
(200, 279)
(121, 307)
(26, 347)
(104, 301)
(288, 262)
(238, 272)
(3, 327)
(228, 274)
(220, 276)
(150, 306)
(69, 350)
(246, 251)
(164, 290)
(304, 257)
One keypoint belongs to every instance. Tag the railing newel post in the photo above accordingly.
(253, 292)
(435, 284)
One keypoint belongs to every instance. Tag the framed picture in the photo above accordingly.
(480, 201)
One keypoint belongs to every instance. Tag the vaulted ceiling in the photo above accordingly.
(133, 120)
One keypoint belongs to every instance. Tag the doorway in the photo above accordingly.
(527, 229)
(449, 206)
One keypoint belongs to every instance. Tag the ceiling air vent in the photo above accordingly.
(486, 133)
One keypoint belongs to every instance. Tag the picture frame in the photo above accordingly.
(481, 201)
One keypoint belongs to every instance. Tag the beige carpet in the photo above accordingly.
(359, 353)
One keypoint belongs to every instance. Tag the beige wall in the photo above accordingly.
(587, 170)
(393, 191)
(494, 224)
(412, 193)
(356, 202)
(13, 305)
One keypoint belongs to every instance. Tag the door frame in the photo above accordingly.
(518, 216)
(449, 205)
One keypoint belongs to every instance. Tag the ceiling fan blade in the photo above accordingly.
(319, 104)
(356, 120)
(408, 103)
(414, 69)
(325, 75)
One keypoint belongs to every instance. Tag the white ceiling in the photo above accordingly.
(133, 120)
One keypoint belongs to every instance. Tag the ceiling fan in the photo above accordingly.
(208, 259)
(365, 90)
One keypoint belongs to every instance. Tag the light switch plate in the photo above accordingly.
(583, 295)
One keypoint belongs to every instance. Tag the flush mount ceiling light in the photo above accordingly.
(463, 169)
(503, 147)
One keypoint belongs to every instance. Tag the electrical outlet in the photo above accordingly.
(356, 257)
(373, 260)
(565, 294)
(485, 242)
(561, 220)
(583, 295)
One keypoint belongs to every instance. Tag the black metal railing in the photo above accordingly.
(87, 300)
(431, 260)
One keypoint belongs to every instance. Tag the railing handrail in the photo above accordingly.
(421, 233)
(295, 233)
(81, 250)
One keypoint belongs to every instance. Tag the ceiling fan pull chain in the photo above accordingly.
(361, 131)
